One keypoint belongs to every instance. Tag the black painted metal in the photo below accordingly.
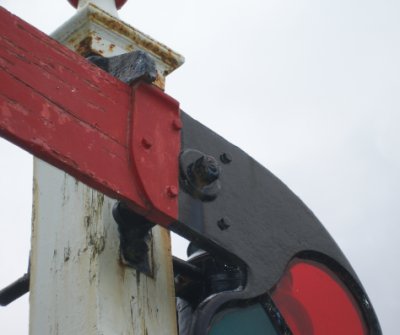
(248, 221)
(15, 290)
(129, 67)
(255, 222)
(200, 175)
(135, 238)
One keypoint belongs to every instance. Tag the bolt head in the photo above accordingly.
(147, 143)
(223, 224)
(204, 170)
(177, 124)
(172, 191)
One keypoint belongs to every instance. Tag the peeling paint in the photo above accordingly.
(67, 253)
(78, 281)
(103, 34)
(84, 47)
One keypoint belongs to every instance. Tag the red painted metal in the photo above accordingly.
(314, 302)
(155, 145)
(118, 3)
(62, 109)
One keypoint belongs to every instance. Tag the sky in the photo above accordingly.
(308, 88)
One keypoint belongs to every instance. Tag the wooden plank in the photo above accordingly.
(63, 78)
(78, 283)
(64, 110)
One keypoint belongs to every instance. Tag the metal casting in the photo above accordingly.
(255, 222)
(129, 67)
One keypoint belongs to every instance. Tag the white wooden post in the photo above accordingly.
(78, 284)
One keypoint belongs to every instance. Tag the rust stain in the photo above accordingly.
(35, 201)
(85, 47)
(160, 82)
(95, 233)
(72, 40)
(111, 47)
(166, 260)
(161, 51)
(121, 268)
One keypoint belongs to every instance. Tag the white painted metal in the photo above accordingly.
(78, 284)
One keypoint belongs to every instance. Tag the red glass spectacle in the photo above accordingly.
(313, 301)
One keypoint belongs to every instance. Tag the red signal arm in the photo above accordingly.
(68, 112)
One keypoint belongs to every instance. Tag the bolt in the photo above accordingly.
(177, 124)
(147, 143)
(172, 191)
(223, 224)
(204, 170)
(225, 158)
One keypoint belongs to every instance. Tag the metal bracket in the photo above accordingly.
(15, 290)
(255, 222)
(135, 238)
(129, 68)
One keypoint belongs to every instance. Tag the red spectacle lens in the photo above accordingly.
(313, 301)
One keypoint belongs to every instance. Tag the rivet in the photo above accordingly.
(223, 224)
(225, 158)
(177, 124)
(147, 143)
(172, 191)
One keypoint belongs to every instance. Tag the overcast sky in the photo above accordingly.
(308, 88)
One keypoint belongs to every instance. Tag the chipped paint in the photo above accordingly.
(93, 31)
(84, 46)
(78, 283)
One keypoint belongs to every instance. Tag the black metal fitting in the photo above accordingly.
(223, 223)
(203, 171)
(212, 275)
(225, 158)
(15, 290)
(135, 238)
(200, 175)
(129, 67)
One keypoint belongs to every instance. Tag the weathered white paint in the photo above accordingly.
(92, 29)
(78, 283)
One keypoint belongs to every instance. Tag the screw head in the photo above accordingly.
(147, 142)
(223, 224)
(172, 191)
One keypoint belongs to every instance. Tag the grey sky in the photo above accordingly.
(308, 88)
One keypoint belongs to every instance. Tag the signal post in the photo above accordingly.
(78, 284)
